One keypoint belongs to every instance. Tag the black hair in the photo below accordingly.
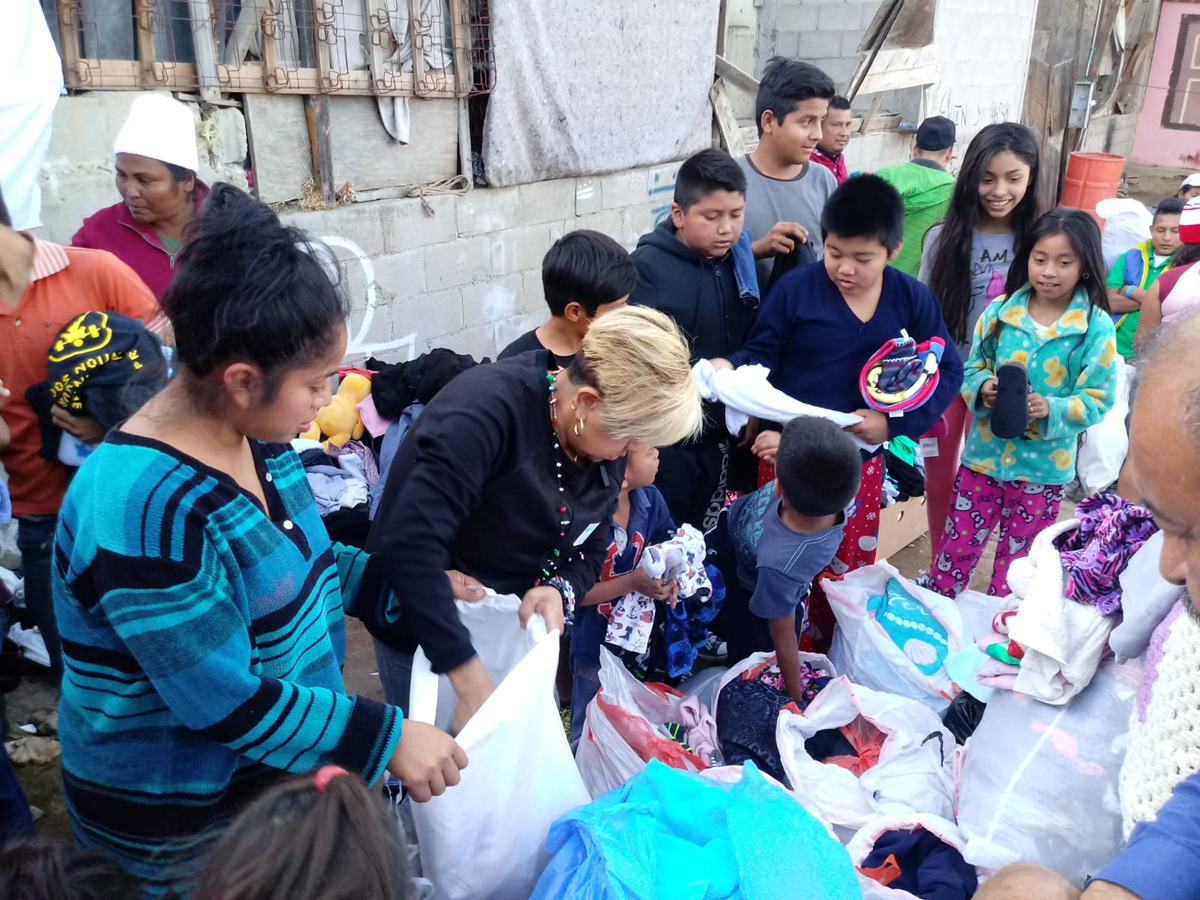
(297, 843)
(865, 206)
(41, 868)
(837, 101)
(785, 84)
(5, 218)
(1185, 256)
(708, 171)
(1172, 206)
(818, 466)
(248, 289)
(950, 280)
(588, 268)
(1084, 236)
(178, 173)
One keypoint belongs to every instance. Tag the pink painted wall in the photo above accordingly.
(1154, 145)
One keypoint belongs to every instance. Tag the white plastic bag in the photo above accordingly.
(1104, 446)
(1039, 783)
(485, 837)
(621, 733)
(914, 774)
(1126, 224)
(763, 658)
(865, 652)
(863, 843)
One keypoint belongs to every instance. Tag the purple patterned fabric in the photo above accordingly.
(1111, 530)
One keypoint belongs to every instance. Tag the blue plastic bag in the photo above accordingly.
(673, 835)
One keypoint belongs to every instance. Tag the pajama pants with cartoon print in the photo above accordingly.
(1021, 507)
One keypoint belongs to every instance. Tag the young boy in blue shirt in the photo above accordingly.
(780, 537)
(641, 519)
(821, 324)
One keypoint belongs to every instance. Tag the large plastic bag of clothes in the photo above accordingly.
(483, 839)
(670, 835)
(910, 857)
(757, 664)
(894, 636)
(1103, 446)
(856, 753)
(1039, 783)
(627, 726)
(1126, 224)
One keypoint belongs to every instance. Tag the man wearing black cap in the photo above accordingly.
(926, 187)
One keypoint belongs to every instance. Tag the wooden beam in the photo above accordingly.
(722, 25)
(204, 40)
(316, 110)
(144, 22)
(274, 75)
(378, 31)
(869, 119)
(460, 34)
(727, 123)
(325, 19)
(894, 70)
(880, 28)
(419, 35)
(69, 15)
(466, 166)
(735, 77)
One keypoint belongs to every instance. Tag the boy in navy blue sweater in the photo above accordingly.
(821, 324)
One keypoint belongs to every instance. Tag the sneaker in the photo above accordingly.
(713, 649)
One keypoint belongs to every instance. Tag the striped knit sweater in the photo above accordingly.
(203, 641)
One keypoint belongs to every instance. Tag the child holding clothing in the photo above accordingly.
(775, 541)
(822, 323)
(688, 268)
(965, 260)
(1053, 331)
(641, 519)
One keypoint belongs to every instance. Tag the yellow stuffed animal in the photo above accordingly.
(340, 421)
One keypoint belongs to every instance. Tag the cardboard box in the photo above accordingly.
(900, 524)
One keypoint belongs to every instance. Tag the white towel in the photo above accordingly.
(1063, 640)
(746, 392)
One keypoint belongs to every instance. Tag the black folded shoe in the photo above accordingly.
(1010, 415)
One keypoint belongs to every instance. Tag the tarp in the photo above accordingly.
(584, 88)
(31, 73)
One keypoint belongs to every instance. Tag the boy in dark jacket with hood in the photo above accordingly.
(686, 268)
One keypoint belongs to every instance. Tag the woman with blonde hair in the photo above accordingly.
(508, 480)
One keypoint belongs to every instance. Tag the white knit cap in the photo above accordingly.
(160, 127)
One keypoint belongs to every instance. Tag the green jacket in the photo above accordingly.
(1134, 268)
(1073, 365)
(926, 192)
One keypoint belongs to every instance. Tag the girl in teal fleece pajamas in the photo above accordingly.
(1050, 322)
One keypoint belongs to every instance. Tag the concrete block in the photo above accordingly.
(797, 18)
(430, 315)
(660, 183)
(223, 135)
(622, 189)
(787, 44)
(361, 223)
(533, 293)
(812, 45)
(488, 210)
(607, 222)
(401, 274)
(407, 225)
(380, 331)
(458, 262)
(489, 301)
(850, 42)
(547, 201)
(508, 330)
(588, 199)
(478, 342)
(519, 248)
(837, 17)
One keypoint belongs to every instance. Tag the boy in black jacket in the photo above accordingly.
(686, 269)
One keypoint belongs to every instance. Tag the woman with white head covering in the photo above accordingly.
(160, 194)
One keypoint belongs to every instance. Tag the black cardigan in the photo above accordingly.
(473, 488)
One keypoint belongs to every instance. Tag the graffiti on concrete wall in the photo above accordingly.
(358, 342)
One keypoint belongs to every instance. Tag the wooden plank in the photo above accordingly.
(722, 25)
(897, 69)
(365, 155)
(68, 23)
(731, 133)
(316, 112)
(869, 119)
(144, 22)
(274, 75)
(280, 154)
(418, 32)
(465, 165)
(326, 27)
(460, 34)
(735, 77)
(379, 40)
(204, 42)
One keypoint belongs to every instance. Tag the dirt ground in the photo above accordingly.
(43, 784)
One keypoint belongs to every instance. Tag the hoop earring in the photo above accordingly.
(577, 428)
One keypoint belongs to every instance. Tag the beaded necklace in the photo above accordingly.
(556, 558)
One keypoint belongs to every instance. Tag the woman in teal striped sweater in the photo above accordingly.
(198, 596)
